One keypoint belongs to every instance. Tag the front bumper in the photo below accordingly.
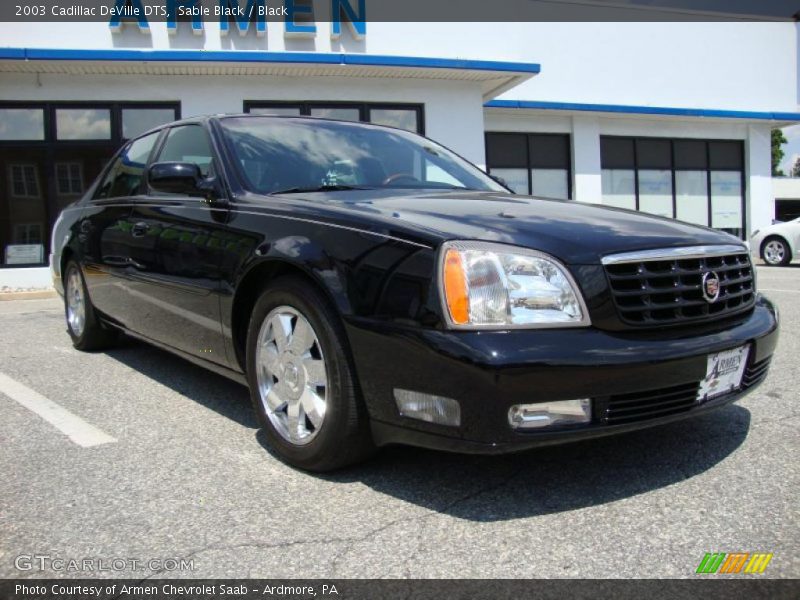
(488, 372)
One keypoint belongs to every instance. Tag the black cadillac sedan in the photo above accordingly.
(371, 287)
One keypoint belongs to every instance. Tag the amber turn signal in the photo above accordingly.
(455, 287)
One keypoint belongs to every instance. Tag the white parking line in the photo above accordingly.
(78, 430)
(777, 290)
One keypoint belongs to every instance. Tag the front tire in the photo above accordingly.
(83, 325)
(775, 252)
(301, 380)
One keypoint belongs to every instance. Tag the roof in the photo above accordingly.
(494, 77)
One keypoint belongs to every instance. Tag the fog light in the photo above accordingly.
(548, 414)
(425, 407)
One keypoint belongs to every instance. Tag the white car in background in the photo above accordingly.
(777, 244)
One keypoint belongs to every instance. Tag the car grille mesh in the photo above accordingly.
(755, 373)
(654, 404)
(664, 292)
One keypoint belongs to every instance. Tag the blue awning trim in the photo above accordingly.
(644, 110)
(235, 56)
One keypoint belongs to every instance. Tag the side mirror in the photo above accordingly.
(176, 178)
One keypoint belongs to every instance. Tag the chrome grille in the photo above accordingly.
(664, 290)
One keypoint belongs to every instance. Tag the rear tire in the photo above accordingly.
(776, 252)
(83, 325)
(302, 383)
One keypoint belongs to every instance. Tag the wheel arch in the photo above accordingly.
(249, 288)
(66, 255)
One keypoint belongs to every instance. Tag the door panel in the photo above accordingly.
(176, 257)
(175, 278)
(104, 238)
(106, 233)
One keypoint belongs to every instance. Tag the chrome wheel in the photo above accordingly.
(291, 375)
(774, 252)
(76, 302)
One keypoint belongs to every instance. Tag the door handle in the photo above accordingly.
(140, 229)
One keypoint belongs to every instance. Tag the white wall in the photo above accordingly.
(26, 278)
(737, 66)
(786, 188)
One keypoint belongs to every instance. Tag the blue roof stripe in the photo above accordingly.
(645, 110)
(13, 53)
(266, 57)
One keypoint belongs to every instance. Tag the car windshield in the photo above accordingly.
(287, 155)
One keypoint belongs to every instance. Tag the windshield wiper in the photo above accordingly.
(321, 188)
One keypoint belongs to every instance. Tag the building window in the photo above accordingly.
(83, 123)
(697, 181)
(136, 121)
(532, 163)
(403, 116)
(28, 233)
(22, 124)
(69, 178)
(342, 113)
(24, 181)
(278, 109)
(69, 144)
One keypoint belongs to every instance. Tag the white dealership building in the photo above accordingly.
(668, 118)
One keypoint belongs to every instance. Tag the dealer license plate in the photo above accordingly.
(724, 372)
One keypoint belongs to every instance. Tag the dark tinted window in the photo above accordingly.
(549, 151)
(188, 143)
(125, 176)
(690, 155)
(725, 155)
(506, 150)
(653, 154)
(705, 182)
(616, 153)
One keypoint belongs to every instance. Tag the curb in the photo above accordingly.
(34, 295)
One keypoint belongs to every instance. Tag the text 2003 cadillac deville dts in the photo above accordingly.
(371, 287)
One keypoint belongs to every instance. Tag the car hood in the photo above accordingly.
(574, 232)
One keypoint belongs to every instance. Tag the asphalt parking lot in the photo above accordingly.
(183, 473)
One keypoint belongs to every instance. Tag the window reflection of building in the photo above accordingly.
(24, 181)
(28, 233)
(69, 178)
(25, 206)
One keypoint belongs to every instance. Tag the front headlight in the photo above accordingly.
(492, 286)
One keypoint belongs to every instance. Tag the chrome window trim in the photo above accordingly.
(682, 252)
